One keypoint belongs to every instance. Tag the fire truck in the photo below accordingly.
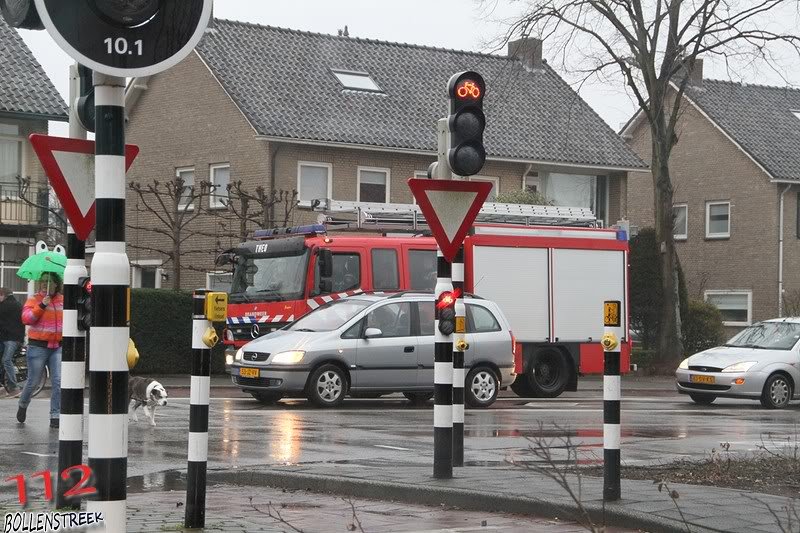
(548, 268)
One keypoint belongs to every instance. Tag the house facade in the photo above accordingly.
(349, 119)
(736, 176)
(28, 100)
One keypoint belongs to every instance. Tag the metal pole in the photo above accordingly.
(200, 393)
(459, 344)
(442, 382)
(108, 342)
(611, 406)
(73, 348)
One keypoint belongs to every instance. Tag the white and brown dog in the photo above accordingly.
(148, 393)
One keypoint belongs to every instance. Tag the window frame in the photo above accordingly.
(471, 328)
(492, 179)
(337, 71)
(423, 175)
(217, 273)
(748, 293)
(397, 272)
(136, 272)
(214, 201)
(411, 328)
(178, 172)
(709, 235)
(685, 235)
(386, 171)
(19, 139)
(317, 164)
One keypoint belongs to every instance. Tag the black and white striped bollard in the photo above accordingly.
(108, 341)
(73, 372)
(195, 515)
(442, 381)
(459, 345)
(612, 395)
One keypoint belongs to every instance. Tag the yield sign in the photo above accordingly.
(450, 208)
(69, 165)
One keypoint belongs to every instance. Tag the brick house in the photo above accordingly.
(736, 174)
(352, 119)
(28, 100)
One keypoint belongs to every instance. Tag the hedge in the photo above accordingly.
(161, 327)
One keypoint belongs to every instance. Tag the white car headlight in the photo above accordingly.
(740, 367)
(288, 358)
(239, 354)
(684, 364)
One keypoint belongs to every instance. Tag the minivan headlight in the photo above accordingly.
(740, 367)
(288, 358)
(684, 364)
(239, 354)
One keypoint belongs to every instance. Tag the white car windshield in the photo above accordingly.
(768, 335)
(331, 315)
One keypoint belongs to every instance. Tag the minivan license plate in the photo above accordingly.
(248, 372)
(702, 379)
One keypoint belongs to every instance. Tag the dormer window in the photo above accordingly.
(357, 81)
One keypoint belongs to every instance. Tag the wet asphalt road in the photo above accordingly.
(658, 426)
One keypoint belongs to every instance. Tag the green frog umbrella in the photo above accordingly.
(43, 261)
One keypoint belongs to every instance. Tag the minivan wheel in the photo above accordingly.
(266, 398)
(777, 392)
(481, 387)
(702, 399)
(418, 397)
(327, 386)
(549, 373)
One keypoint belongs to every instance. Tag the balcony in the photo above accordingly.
(23, 213)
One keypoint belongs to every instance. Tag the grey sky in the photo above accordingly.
(459, 24)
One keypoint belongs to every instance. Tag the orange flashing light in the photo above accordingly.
(468, 89)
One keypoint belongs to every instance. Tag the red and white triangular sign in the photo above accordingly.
(69, 165)
(450, 208)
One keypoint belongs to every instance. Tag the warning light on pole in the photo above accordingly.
(466, 122)
(84, 303)
(446, 308)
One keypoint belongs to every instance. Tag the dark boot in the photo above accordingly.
(54, 422)
(22, 413)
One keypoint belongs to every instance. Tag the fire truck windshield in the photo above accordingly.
(269, 278)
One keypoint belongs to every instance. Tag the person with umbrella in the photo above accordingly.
(43, 313)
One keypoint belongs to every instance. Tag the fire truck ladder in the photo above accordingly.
(340, 214)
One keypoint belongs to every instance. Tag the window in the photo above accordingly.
(356, 81)
(146, 274)
(385, 275)
(346, 272)
(798, 215)
(796, 113)
(481, 320)
(530, 182)
(718, 220)
(10, 153)
(313, 181)
(219, 281)
(573, 190)
(495, 186)
(423, 175)
(11, 257)
(394, 320)
(373, 184)
(427, 317)
(680, 218)
(422, 269)
(735, 306)
(220, 178)
(187, 175)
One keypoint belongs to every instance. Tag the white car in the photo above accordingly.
(760, 363)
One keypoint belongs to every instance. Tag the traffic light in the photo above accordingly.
(85, 104)
(21, 14)
(466, 122)
(84, 303)
(446, 306)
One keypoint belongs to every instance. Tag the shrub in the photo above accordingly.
(522, 197)
(161, 327)
(702, 327)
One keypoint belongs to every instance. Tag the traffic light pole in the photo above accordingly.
(73, 351)
(442, 380)
(108, 366)
(459, 345)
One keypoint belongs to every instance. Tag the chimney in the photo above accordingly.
(528, 50)
(696, 74)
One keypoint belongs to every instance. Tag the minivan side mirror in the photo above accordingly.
(372, 333)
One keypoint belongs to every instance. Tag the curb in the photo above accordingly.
(612, 515)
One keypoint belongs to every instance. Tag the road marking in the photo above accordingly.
(39, 454)
(392, 447)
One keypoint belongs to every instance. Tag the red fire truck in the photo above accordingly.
(549, 280)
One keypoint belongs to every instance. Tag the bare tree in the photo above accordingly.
(260, 208)
(654, 45)
(55, 222)
(171, 209)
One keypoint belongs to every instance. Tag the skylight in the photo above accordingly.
(357, 81)
(796, 113)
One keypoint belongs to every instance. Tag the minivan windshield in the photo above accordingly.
(767, 335)
(330, 316)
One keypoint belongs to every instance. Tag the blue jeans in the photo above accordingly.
(9, 349)
(38, 358)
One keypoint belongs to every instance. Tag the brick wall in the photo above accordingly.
(706, 166)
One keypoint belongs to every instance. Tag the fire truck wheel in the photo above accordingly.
(327, 386)
(481, 387)
(549, 374)
(266, 398)
(418, 397)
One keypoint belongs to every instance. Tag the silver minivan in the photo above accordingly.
(369, 345)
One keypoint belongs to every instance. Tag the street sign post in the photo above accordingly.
(69, 165)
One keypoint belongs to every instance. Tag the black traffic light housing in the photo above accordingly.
(21, 14)
(446, 308)
(84, 303)
(466, 122)
(85, 105)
